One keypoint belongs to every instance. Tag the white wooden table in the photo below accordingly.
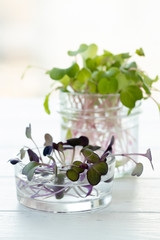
(135, 209)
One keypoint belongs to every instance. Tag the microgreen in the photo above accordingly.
(48, 139)
(81, 141)
(140, 52)
(32, 156)
(29, 169)
(14, 161)
(107, 73)
(47, 150)
(138, 170)
(74, 172)
(59, 180)
(28, 132)
(22, 153)
(56, 161)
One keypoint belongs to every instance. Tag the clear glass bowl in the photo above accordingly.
(42, 193)
(99, 116)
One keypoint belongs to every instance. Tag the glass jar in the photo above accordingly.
(99, 117)
(43, 193)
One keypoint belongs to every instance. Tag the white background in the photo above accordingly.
(40, 32)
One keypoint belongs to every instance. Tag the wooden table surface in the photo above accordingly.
(134, 212)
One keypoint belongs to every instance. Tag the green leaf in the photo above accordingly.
(131, 65)
(82, 48)
(95, 172)
(22, 153)
(91, 87)
(101, 167)
(58, 73)
(46, 103)
(130, 95)
(90, 155)
(113, 71)
(29, 169)
(69, 134)
(65, 81)
(125, 55)
(93, 148)
(28, 132)
(78, 86)
(83, 75)
(140, 52)
(76, 167)
(93, 176)
(156, 79)
(138, 170)
(118, 60)
(144, 85)
(131, 75)
(90, 52)
(100, 60)
(149, 81)
(107, 53)
(91, 64)
(72, 175)
(122, 81)
(97, 75)
(107, 85)
(29, 166)
(73, 70)
(31, 173)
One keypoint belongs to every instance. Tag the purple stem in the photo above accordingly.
(48, 194)
(147, 155)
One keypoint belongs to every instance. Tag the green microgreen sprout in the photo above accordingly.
(91, 165)
(107, 73)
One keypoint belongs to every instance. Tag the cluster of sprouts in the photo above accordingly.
(90, 165)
